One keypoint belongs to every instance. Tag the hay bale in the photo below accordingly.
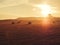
(29, 23)
(13, 23)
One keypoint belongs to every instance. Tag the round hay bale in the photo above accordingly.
(13, 23)
(29, 23)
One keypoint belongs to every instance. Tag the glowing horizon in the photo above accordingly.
(29, 8)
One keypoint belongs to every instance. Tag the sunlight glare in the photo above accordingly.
(45, 9)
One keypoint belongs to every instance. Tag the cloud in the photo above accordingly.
(35, 1)
(2, 1)
(7, 3)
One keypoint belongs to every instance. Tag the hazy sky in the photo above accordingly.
(25, 8)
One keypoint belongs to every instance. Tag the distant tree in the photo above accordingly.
(50, 16)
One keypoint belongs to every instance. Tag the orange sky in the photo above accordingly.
(25, 8)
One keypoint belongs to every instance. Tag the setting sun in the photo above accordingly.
(45, 9)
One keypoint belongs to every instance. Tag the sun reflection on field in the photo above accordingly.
(46, 24)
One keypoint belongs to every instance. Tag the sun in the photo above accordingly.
(45, 9)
